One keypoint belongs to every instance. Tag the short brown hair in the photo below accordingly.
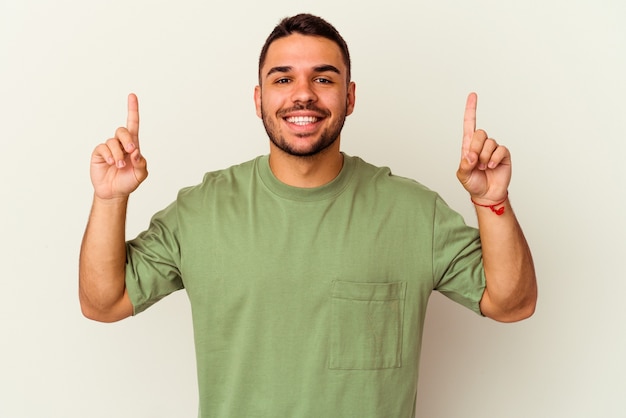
(305, 24)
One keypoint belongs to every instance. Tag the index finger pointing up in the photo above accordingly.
(132, 121)
(469, 120)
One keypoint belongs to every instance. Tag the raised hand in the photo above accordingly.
(485, 167)
(117, 166)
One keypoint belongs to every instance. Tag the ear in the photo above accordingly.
(257, 101)
(351, 98)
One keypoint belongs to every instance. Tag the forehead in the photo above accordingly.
(303, 51)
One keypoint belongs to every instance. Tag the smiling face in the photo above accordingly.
(304, 95)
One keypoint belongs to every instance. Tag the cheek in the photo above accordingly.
(270, 105)
(341, 105)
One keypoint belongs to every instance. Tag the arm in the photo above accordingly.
(117, 169)
(485, 172)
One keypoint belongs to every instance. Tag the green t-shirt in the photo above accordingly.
(307, 302)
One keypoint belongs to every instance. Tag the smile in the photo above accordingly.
(301, 120)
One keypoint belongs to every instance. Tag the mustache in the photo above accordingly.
(302, 106)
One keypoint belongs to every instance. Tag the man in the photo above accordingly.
(308, 271)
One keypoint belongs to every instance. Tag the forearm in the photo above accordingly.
(511, 288)
(102, 262)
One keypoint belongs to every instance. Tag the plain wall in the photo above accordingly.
(551, 82)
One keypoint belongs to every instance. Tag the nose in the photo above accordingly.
(303, 91)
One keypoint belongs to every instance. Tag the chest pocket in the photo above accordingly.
(366, 325)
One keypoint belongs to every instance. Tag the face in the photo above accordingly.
(304, 96)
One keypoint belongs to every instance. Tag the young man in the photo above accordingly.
(308, 271)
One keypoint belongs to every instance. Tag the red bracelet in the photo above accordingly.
(497, 211)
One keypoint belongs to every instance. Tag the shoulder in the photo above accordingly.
(221, 181)
(400, 197)
(383, 180)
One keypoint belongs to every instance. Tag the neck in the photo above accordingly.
(306, 172)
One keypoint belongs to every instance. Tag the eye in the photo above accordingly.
(323, 80)
(283, 80)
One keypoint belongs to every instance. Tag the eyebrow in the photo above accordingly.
(318, 69)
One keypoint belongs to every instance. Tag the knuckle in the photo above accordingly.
(492, 143)
(121, 132)
(102, 149)
(114, 146)
(111, 141)
(481, 133)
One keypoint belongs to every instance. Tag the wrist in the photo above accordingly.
(496, 206)
(110, 201)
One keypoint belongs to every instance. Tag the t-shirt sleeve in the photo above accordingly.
(152, 261)
(457, 258)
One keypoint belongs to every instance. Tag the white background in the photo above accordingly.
(551, 82)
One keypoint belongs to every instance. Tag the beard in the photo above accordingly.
(328, 136)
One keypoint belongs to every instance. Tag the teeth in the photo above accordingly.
(302, 120)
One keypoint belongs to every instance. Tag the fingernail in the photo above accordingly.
(121, 164)
(130, 147)
(110, 161)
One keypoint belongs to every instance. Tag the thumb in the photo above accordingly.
(140, 165)
(466, 166)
